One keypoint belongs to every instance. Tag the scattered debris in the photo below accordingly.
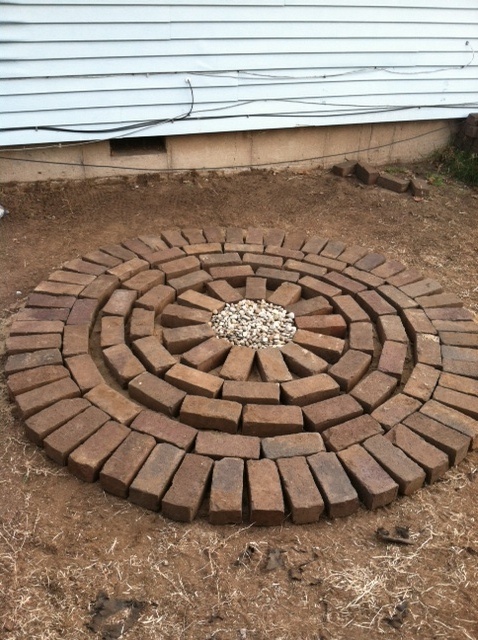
(401, 536)
(274, 560)
(245, 556)
(3, 211)
(125, 613)
(397, 619)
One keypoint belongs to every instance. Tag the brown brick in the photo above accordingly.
(344, 283)
(303, 497)
(427, 350)
(84, 372)
(460, 353)
(101, 288)
(344, 169)
(175, 315)
(327, 263)
(129, 269)
(81, 266)
(251, 392)
(241, 247)
(393, 183)
(38, 313)
(156, 394)
(86, 461)
(164, 429)
(416, 321)
(351, 368)
(353, 254)
(153, 242)
(112, 331)
(274, 237)
(392, 359)
(164, 255)
(265, 493)
(58, 288)
(23, 361)
(439, 300)
(195, 280)
(271, 365)
(256, 260)
(391, 328)
(173, 238)
(327, 413)
(269, 420)
(286, 294)
(370, 261)
(420, 188)
(449, 313)
(83, 312)
(207, 413)
(118, 251)
(405, 472)
(21, 344)
(453, 419)
(254, 235)
(238, 364)
(144, 281)
(154, 477)
(351, 432)
(157, 298)
(301, 361)
(195, 300)
(396, 409)
(373, 390)
(202, 248)
(75, 339)
(137, 246)
(454, 339)
(121, 468)
(59, 444)
(276, 277)
(459, 383)
(422, 382)
(214, 234)
(236, 276)
(396, 297)
(101, 258)
(120, 303)
(122, 363)
(425, 287)
(289, 446)
(294, 240)
(39, 398)
(227, 488)
(183, 499)
(312, 287)
(235, 234)
(40, 425)
(208, 355)
(256, 288)
(374, 304)
(305, 268)
(457, 400)
(327, 347)
(328, 325)
(226, 445)
(312, 306)
(388, 269)
(223, 291)
(30, 379)
(194, 381)
(180, 267)
(185, 338)
(112, 402)
(365, 277)
(153, 355)
(71, 277)
(461, 367)
(209, 261)
(340, 497)
(351, 311)
(374, 486)
(366, 173)
(453, 443)
(304, 391)
(193, 235)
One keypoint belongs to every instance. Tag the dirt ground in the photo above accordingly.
(64, 543)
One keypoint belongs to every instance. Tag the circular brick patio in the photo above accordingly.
(118, 373)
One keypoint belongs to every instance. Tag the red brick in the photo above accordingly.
(416, 321)
(392, 359)
(58, 288)
(340, 497)
(226, 445)
(209, 261)
(373, 390)
(301, 361)
(271, 365)
(344, 169)
(326, 347)
(425, 287)
(164, 255)
(312, 287)
(101, 258)
(118, 251)
(351, 368)
(460, 353)
(251, 392)
(180, 267)
(366, 173)
(374, 304)
(459, 383)
(84, 372)
(327, 263)
(141, 323)
(353, 254)
(195, 280)
(214, 234)
(404, 278)
(183, 499)
(173, 238)
(86, 461)
(38, 313)
(422, 382)
(59, 444)
(121, 468)
(83, 312)
(202, 248)
(405, 472)
(305, 268)
(427, 350)
(185, 338)
(194, 381)
(351, 432)
(303, 497)
(256, 288)
(283, 252)
(396, 297)
(157, 298)
(153, 242)
(370, 261)
(153, 355)
(75, 340)
(439, 300)
(81, 266)
(154, 477)
(374, 486)
(223, 291)
(461, 367)
(71, 277)
(312, 306)
(454, 339)
(195, 300)
(344, 283)
(393, 183)
(449, 313)
(286, 294)
(30, 379)
(101, 289)
(175, 315)
(289, 446)
(40, 425)
(256, 260)
(164, 429)
(457, 400)
(265, 493)
(236, 276)
(328, 325)
(120, 303)
(304, 391)
(333, 249)
(227, 488)
(352, 312)
(129, 269)
(208, 355)
(365, 277)
(453, 419)
(396, 409)
(207, 413)
(39, 398)
(238, 364)
(144, 281)
(156, 394)
(453, 443)
(241, 248)
(137, 246)
(391, 328)
(327, 413)
(388, 269)
(276, 277)
(112, 331)
(269, 420)
(114, 403)
(122, 363)
(21, 344)
(22, 361)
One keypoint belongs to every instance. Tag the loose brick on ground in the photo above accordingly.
(238, 364)
(301, 361)
(207, 413)
(40, 425)
(154, 477)
(374, 304)
(227, 488)
(396, 409)
(312, 306)
(33, 401)
(422, 382)
(347, 307)
(392, 358)
(340, 497)
(420, 188)
(327, 413)
(190, 483)
(223, 291)
(351, 432)
(256, 288)
(112, 402)
(121, 468)
(176, 315)
(122, 363)
(156, 394)
(327, 347)
(295, 444)
(153, 355)
(433, 461)
(305, 268)
(457, 400)
(30, 379)
(22, 344)
(266, 501)
(71, 277)
(86, 461)
(250, 392)
(453, 443)
(308, 390)
(366, 173)
(391, 328)
(76, 339)
(344, 169)
(351, 368)
(396, 297)
(83, 312)
(164, 429)
(59, 288)
(112, 331)
(32, 359)
(427, 350)
(236, 276)
(312, 287)
(84, 372)
(120, 303)
(194, 381)
(303, 497)
(269, 420)
(195, 281)
(129, 269)
(196, 300)
(393, 183)
(453, 419)
(329, 325)
(185, 338)
(271, 365)
(416, 321)
(226, 445)
(373, 390)
(425, 287)
(208, 355)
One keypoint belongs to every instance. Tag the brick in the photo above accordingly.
(365, 277)
(129, 269)
(235, 234)
(344, 169)
(416, 321)
(208, 355)
(195, 280)
(153, 242)
(112, 402)
(59, 444)
(175, 315)
(373, 390)
(351, 432)
(283, 252)
(405, 472)
(344, 283)
(301, 361)
(183, 499)
(153, 355)
(347, 307)
(227, 488)
(30, 360)
(266, 501)
(327, 413)
(366, 173)
(460, 353)
(254, 235)
(164, 255)
(21, 344)
(195, 300)
(236, 276)
(144, 281)
(75, 339)
(459, 383)
(328, 325)
(286, 294)
(392, 359)
(439, 300)
(207, 413)
(120, 303)
(294, 240)
(327, 263)
(388, 269)
(391, 328)
(340, 497)
(374, 304)
(112, 331)
(409, 276)
(122, 363)
(173, 238)
(31, 402)
(180, 267)
(453, 419)
(185, 338)
(361, 337)
(350, 369)
(101, 289)
(193, 235)
(226, 445)
(425, 287)
(313, 306)
(449, 313)
(353, 254)
(455, 339)
(154, 477)
(58, 288)
(427, 350)
(164, 429)
(30, 379)
(288, 446)
(86, 460)
(194, 381)
(156, 394)
(463, 402)
(256, 260)
(370, 261)
(304, 391)
(312, 287)
(157, 298)
(304, 268)
(275, 277)
(238, 364)
(327, 347)
(274, 237)
(314, 244)
(83, 312)
(420, 188)
(223, 291)
(453, 443)
(241, 248)
(70, 277)
(461, 367)
(82, 266)
(459, 326)
(40, 425)
(256, 288)
(303, 497)
(269, 420)
(394, 410)
(209, 261)
(393, 183)
(214, 234)
(396, 297)
(202, 248)
(84, 372)
(121, 468)
(137, 246)
(118, 251)
(271, 365)
(38, 313)
(422, 382)
(251, 392)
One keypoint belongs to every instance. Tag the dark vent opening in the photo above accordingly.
(138, 146)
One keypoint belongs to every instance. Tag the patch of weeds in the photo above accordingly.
(436, 179)
(462, 165)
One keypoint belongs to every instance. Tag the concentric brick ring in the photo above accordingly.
(118, 373)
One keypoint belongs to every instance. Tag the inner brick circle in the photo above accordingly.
(118, 373)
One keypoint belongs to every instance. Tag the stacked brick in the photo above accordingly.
(367, 174)
(118, 374)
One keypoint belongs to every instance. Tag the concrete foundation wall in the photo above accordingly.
(379, 144)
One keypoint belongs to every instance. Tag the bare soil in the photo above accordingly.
(66, 548)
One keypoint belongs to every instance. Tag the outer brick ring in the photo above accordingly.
(118, 374)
